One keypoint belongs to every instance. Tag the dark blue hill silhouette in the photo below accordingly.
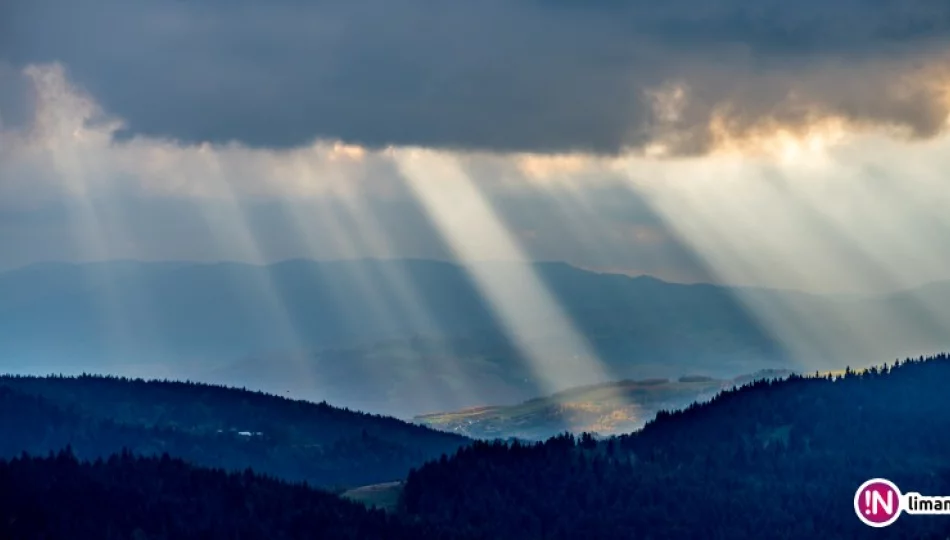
(212, 426)
(128, 497)
(772, 459)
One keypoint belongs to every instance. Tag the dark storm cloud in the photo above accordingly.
(541, 75)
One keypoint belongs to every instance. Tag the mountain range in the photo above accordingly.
(777, 459)
(410, 337)
(773, 458)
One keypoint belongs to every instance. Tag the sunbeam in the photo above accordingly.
(230, 225)
(400, 277)
(689, 215)
(406, 300)
(816, 208)
(819, 220)
(322, 218)
(61, 131)
(392, 304)
(558, 356)
(356, 239)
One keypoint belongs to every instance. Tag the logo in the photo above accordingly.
(878, 502)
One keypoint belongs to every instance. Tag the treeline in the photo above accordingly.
(212, 426)
(126, 497)
(772, 459)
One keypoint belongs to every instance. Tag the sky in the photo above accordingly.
(787, 144)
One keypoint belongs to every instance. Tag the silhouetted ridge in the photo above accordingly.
(129, 497)
(212, 426)
(770, 459)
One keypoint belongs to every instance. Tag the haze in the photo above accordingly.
(676, 141)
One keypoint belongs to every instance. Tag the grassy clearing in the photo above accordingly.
(384, 496)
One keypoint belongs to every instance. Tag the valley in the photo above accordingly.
(784, 444)
(603, 410)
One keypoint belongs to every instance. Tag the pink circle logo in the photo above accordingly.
(878, 502)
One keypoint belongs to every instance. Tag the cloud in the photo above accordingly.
(69, 191)
(829, 209)
(69, 150)
(534, 76)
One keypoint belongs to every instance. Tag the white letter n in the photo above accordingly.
(877, 500)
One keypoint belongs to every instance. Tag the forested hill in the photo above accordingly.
(126, 497)
(212, 426)
(772, 459)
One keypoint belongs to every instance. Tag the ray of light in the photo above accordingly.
(405, 298)
(355, 234)
(322, 219)
(230, 226)
(797, 217)
(325, 219)
(558, 356)
(574, 217)
(689, 214)
(892, 239)
(60, 123)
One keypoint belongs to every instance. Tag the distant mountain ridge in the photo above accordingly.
(407, 337)
(331, 302)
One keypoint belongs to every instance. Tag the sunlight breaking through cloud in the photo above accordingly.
(534, 321)
(822, 208)
(824, 213)
(230, 224)
(62, 135)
